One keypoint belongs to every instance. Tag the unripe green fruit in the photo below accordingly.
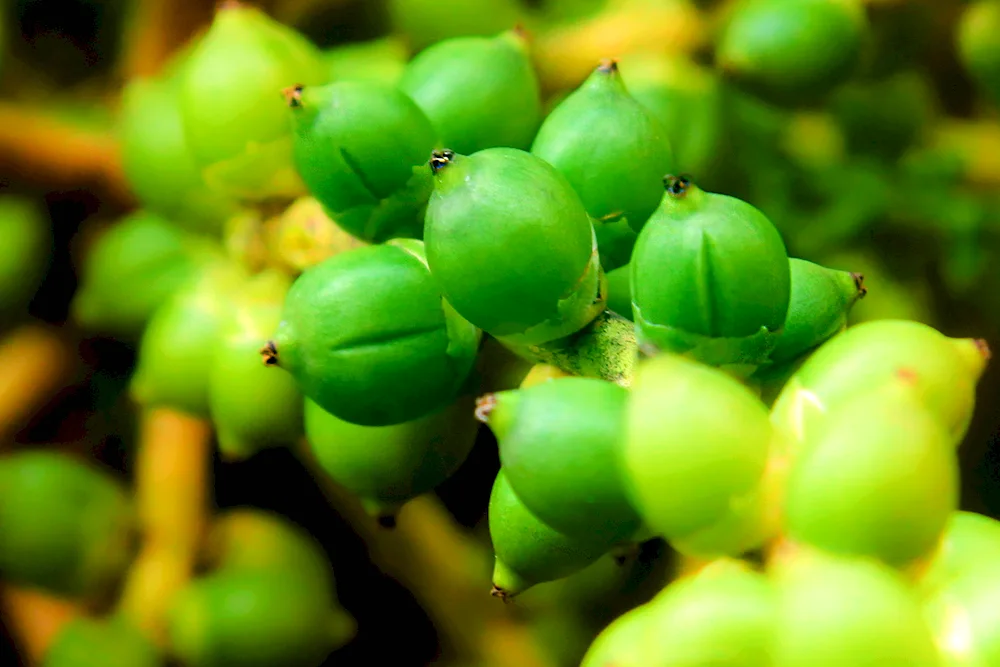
(368, 336)
(67, 527)
(426, 22)
(176, 349)
(386, 466)
(834, 612)
(91, 642)
(375, 61)
(620, 291)
(970, 542)
(880, 479)
(792, 50)
(820, 301)
(255, 618)
(511, 245)
(979, 45)
(560, 447)
(132, 269)
(945, 371)
(528, 551)
(748, 523)
(157, 161)
(615, 242)
(479, 92)
(252, 407)
(710, 279)
(685, 463)
(235, 121)
(621, 644)
(362, 149)
(611, 150)
(25, 254)
(965, 618)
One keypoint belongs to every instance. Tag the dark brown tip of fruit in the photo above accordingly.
(984, 348)
(441, 159)
(677, 185)
(621, 559)
(387, 521)
(859, 282)
(498, 592)
(608, 66)
(293, 95)
(484, 407)
(269, 354)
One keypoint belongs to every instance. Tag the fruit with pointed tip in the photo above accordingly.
(380, 60)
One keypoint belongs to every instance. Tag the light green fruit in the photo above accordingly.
(970, 541)
(686, 464)
(965, 618)
(426, 22)
(379, 60)
(621, 643)
(92, 642)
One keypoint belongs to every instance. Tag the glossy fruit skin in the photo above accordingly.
(528, 551)
(479, 92)
(685, 465)
(969, 542)
(979, 47)
(792, 51)
(68, 527)
(526, 272)
(560, 446)
(362, 150)
(25, 255)
(91, 642)
(620, 291)
(748, 523)
(386, 466)
(879, 480)
(427, 22)
(132, 269)
(612, 151)
(621, 642)
(235, 121)
(177, 346)
(368, 336)
(710, 279)
(252, 407)
(840, 611)
(379, 60)
(868, 355)
(965, 618)
(254, 618)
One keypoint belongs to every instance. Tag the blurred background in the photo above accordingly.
(895, 174)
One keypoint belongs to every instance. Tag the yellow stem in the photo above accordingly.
(34, 619)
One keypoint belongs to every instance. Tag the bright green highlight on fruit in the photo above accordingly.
(234, 117)
(425, 22)
(67, 527)
(24, 255)
(695, 440)
(510, 243)
(612, 151)
(969, 542)
(965, 618)
(369, 337)
(479, 92)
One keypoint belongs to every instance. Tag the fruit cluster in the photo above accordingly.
(374, 254)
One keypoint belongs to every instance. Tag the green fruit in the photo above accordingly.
(236, 125)
(479, 92)
(792, 50)
(91, 642)
(880, 479)
(686, 464)
(426, 22)
(175, 353)
(255, 618)
(25, 256)
(375, 61)
(965, 618)
(368, 336)
(620, 291)
(944, 370)
(132, 269)
(611, 150)
(386, 466)
(67, 527)
(747, 525)
(834, 612)
(970, 541)
(710, 279)
(528, 551)
(252, 407)
(621, 644)
(157, 161)
(820, 302)
(979, 45)
(560, 447)
(362, 149)
(687, 101)
(615, 241)
(511, 245)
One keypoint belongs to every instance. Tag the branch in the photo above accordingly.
(34, 619)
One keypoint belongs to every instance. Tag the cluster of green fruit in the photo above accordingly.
(341, 247)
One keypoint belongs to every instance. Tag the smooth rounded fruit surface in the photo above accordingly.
(560, 446)
(24, 255)
(426, 22)
(621, 643)
(67, 527)
(791, 50)
(380, 60)
(91, 642)
(965, 618)
(695, 440)
(979, 45)
(478, 92)
(511, 245)
(612, 151)
(235, 120)
(710, 279)
(969, 542)
(369, 338)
